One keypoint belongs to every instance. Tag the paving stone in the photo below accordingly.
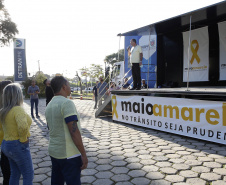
(104, 167)
(193, 162)
(200, 169)
(103, 182)
(137, 173)
(87, 179)
(177, 161)
(155, 175)
(91, 165)
(150, 168)
(188, 173)
(147, 162)
(120, 177)
(104, 156)
(42, 170)
(132, 159)
(195, 181)
(163, 164)
(46, 181)
(104, 175)
(212, 164)
(160, 182)
(221, 160)
(169, 170)
(39, 178)
(88, 171)
(215, 156)
(160, 158)
(134, 166)
(45, 164)
(174, 178)
(173, 156)
(120, 170)
(210, 176)
(118, 163)
(219, 171)
(189, 157)
(141, 181)
(205, 159)
(103, 161)
(181, 166)
(124, 183)
(219, 182)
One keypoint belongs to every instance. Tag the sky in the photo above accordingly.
(65, 36)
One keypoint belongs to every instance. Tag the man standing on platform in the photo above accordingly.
(136, 56)
(33, 91)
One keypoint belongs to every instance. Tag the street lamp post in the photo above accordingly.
(39, 66)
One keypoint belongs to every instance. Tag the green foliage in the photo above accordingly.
(10, 78)
(39, 82)
(8, 29)
(112, 58)
(94, 71)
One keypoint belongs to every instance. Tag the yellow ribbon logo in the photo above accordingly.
(114, 104)
(194, 51)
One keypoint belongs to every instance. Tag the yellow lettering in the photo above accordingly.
(209, 115)
(224, 114)
(171, 111)
(198, 112)
(159, 113)
(190, 116)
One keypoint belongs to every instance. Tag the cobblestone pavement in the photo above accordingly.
(123, 154)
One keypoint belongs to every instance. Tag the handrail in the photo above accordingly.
(127, 81)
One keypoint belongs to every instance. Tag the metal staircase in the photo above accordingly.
(105, 109)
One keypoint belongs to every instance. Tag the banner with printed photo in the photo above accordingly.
(222, 41)
(20, 68)
(200, 119)
(198, 57)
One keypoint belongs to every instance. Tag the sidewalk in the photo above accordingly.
(123, 154)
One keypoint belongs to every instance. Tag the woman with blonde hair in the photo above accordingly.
(4, 160)
(15, 124)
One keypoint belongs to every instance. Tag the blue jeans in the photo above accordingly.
(66, 170)
(20, 161)
(34, 101)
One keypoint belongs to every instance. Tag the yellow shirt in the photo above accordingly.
(17, 125)
(135, 54)
(61, 144)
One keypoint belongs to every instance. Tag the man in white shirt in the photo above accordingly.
(136, 56)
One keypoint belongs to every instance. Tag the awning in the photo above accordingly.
(200, 18)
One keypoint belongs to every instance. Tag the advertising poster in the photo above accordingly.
(199, 119)
(20, 68)
(222, 41)
(198, 57)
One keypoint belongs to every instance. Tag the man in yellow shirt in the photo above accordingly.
(136, 56)
(66, 149)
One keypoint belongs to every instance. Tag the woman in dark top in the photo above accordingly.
(48, 91)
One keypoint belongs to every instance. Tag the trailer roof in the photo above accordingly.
(200, 18)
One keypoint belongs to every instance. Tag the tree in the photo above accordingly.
(8, 29)
(112, 58)
(96, 71)
(10, 78)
